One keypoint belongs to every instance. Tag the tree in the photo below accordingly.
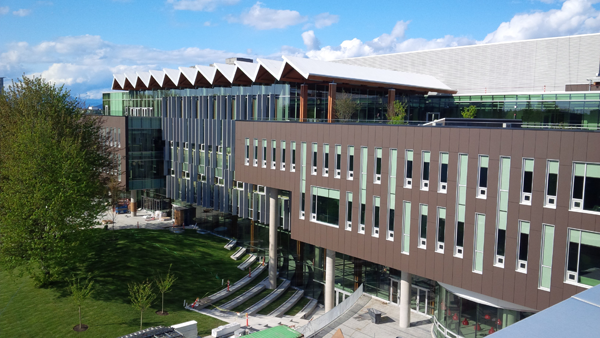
(79, 293)
(397, 112)
(53, 164)
(469, 112)
(345, 107)
(141, 296)
(114, 191)
(164, 286)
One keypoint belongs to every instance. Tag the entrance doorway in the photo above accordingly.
(419, 300)
(433, 116)
(394, 291)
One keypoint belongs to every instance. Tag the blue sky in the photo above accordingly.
(82, 43)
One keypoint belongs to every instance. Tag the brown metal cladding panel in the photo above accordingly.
(543, 299)
(564, 184)
(567, 140)
(575, 219)
(454, 140)
(473, 143)
(463, 143)
(495, 142)
(457, 276)
(541, 144)
(498, 283)
(505, 142)
(444, 139)
(508, 287)
(435, 144)
(484, 141)
(421, 262)
(597, 224)
(414, 230)
(517, 145)
(556, 294)
(476, 280)
(580, 147)
(524, 212)
(409, 137)
(554, 144)
(593, 153)
(333, 238)
(426, 138)
(520, 289)
(386, 136)
(569, 290)
(529, 143)
(539, 181)
(549, 216)
(533, 259)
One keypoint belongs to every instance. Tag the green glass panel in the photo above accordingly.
(405, 243)
(326, 148)
(334, 194)
(504, 200)
(548, 245)
(282, 144)
(378, 152)
(409, 155)
(424, 209)
(484, 161)
(480, 234)
(574, 236)
(247, 142)
(293, 145)
(426, 156)
(394, 163)
(462, 195)
(590, 238)
(592, 96)
(349, 197)
(593, 170)
(528, 164)
(338, 149)
(442, 213)
(553, 167)
(579, 169)
(363, 195)
(502, 215)
(445, 158)
(525, 227)
(376, 200)
(274, 144)
(351, 150)
(392, 201)
(463, 169)
(577, 97)
(505, 169)
(264, 143)
(363, 184)
(407, 217)
(314, 147)
(545, 278)
(478, 261)
(461, 213)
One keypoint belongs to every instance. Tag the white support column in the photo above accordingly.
(329, 280)
(405, 286)
(273, 225)
(133, 204)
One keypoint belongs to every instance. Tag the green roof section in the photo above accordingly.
(276, 332)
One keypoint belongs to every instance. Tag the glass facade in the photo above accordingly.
(145, 154)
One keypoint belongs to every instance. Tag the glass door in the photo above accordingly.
(433, 116)
(419, 299)
(394, 291)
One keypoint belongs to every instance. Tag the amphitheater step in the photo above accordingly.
(268, 299)
(288, 304)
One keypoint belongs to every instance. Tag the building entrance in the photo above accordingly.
(394, 291)
(419, 300)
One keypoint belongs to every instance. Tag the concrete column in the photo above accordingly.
(329, 280)
(405, 286)
(133, 204)
(273, 225)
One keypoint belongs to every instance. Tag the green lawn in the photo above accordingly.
(271, 307)
(199, 261)
(299, 306)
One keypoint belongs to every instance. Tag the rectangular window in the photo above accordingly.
(376, 204)
(441, 229)
(392, 193)
(443, 185)
(348, 211)
(522, 246)
(377, 178)
(314, 159)
(478, 243)
(423, 226)
(255, 152)
(350, 162)
(325, 206)
(425, 170)
(461, 198)
(502, 207)
(273, 154)
(247, 159)
(408, 169)
(264, 154)
(293, 167)
(302, 178)
(406, 227)
(282, 155)
(527, 181)
(338, 161)
(482, 177)
(583, 258)
(551, 184)
(546, 257)
(326, 160)
(364, 156)
(585, 194)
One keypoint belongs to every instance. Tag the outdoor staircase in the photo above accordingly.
(268, 299)
(248, 262)
(237, 301)
(239, 253)
(288, 304)
(308, 309)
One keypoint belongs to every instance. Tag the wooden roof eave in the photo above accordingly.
(379, 84)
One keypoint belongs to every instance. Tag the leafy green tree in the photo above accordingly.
(397, 112)
(53, 164)
(79, 293)
(345, 107)
(164, 285)
(142, 296)
(469, 112)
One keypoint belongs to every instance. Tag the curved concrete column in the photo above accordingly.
(329, 280)
(405, 285)
(133, 204)
(273, 225)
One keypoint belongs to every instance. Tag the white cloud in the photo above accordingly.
(325, 19)
(574, 17)
(266, 18)
(22, 12)
(4, 10)
(200, 5)
(207, 23)
(310, 40)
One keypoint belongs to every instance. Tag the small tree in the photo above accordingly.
(141, 296)
(79, 293)
(345, 107)
(469, 112)
(164, 286)
(397, 112)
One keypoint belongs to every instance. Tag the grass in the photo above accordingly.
(250, 285)
(282, 299)
(299, 306)
(199, 262)
(264, 293)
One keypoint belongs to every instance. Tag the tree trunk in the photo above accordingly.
(163, 303)
(141, 317)
(80, 316)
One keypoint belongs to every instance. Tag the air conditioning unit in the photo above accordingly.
(551, 201)
(522, 265)
(264, 163)
(571, 276)
(443, 187)
(408, 182)
(500, 260)
(338, 173)
(375, 231)
(459, 250)
(362, 228)
(350, 175)
(440, 246)
(481, 192)
(314, 170)
(377, 178)
(348, 225)
(325, 171)
(202, 147)
(577, 204)
(302, 214)
(293, 168)
(255, 163)
(273, 164)
(247, 162)
(423, 242)
(526, 198)
(313, 217)
(391, 235)
(282, 165)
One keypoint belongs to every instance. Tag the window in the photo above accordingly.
(302, 178)
(527, 181)
(293, 167)
(583, 258)
(377, 178)
(325, 206)
(376, 204)
(482, 178)
(425, 170)
(423, 226)
(282, 155)
(350, 162)
(408, 169)
(406, 228)
(255, 151)
(502, 207)
(585, 194)
(478, 243)
(264, 154)
(348, 211)
(247, 161)
(338, 161)
(522, 246)
(443, 185)
(546, 257)
(441, 229)
(461, 198)
(314, 159)
(551, 184)
(326, 160)
(392, 193)
(364, 155)
(273, 154)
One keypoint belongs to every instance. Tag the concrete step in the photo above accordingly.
(231, 244)
(268, 299)
(238, 254)
(288, 304)
(308, 309)
(248, 262)
(232, 304)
